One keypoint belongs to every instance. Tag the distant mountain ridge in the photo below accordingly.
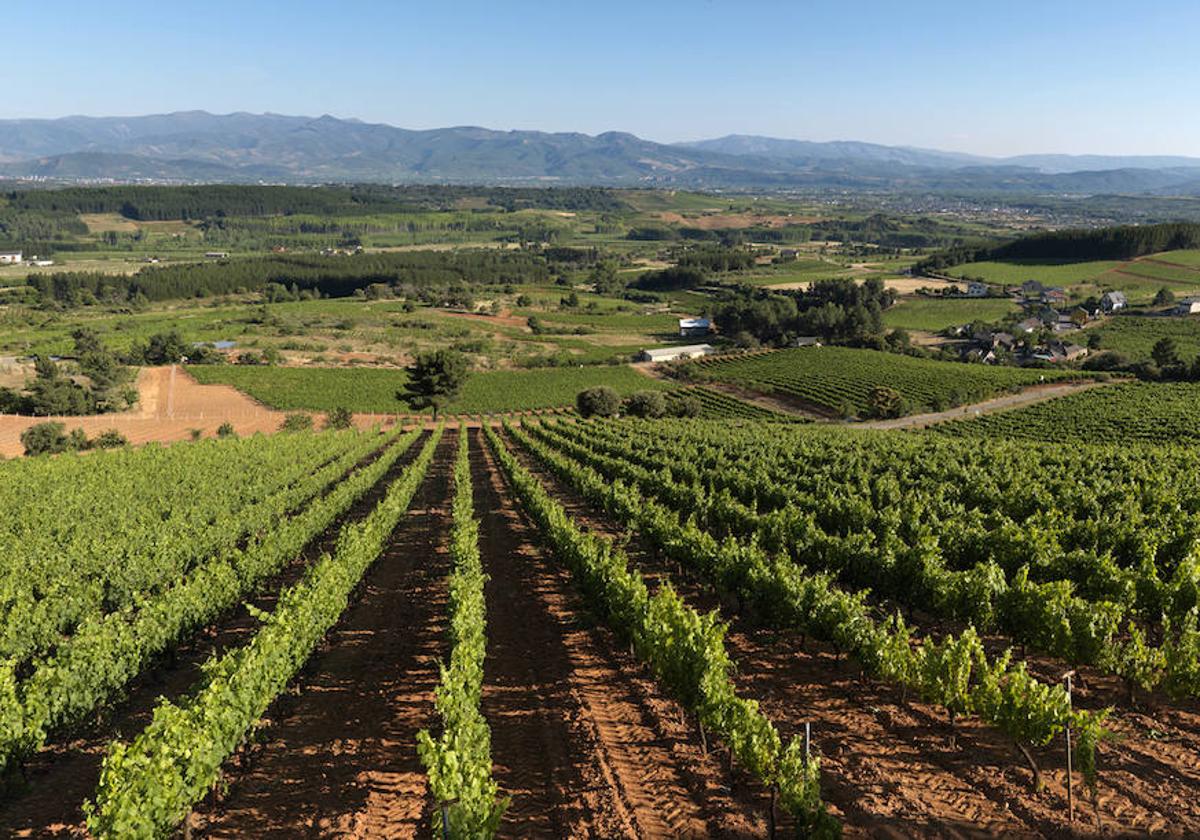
(196, 146)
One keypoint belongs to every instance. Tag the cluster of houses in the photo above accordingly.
(992, 347)
(1047, 313)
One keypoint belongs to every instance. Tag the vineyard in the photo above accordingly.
(609, 628)
(1128, 412)
(840, 380)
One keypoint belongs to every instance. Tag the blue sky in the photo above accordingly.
(984, 77)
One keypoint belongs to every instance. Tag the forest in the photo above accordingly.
(152, 203)
(325, 276)
(1109, 243)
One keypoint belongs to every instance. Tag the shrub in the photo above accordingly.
(44, 439)
(225, 430)
(601, 401)
(111, 439)
(297, 421)
(339, 418)
(646, 404)
(688, 407)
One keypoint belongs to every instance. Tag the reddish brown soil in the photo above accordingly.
(66, 771)
(888, 766)
(581, 737)
(171, 405)
(339, 754)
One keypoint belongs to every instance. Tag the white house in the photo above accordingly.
(976, 289)
(694, 326)
(808, 341)
(10, 257)
(1188, 306)
(1112, 301)
(671, 354)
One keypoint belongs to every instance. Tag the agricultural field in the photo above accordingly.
(839, 380)
(1048, 273)
(933, 314)
(716, 405)
(651, 628)
(1140, 279)
(373, 391)
(1133, 412)
(1136, 336)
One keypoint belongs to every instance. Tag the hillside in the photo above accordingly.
(196, 146)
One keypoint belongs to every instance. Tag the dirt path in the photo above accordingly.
(581, 737)
(171, 405)
(1029, 396)
(66, 771)
(887, 764)
(339, 757)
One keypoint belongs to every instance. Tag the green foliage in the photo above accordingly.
(681, 520)
(601, 401)
(683, 648)
(434, 379)
(148, 786)
(45, 439)
(297, 421)
(831, 377)
(1126, 413)
(339, 418)
(101, 624)
(645, 404)
(371, 390)
(459, 763)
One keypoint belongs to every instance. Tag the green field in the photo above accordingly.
(1134, 411)
(934, 314)
(1048, 273)
(373, 390)
(1135, 336)
(840, 379)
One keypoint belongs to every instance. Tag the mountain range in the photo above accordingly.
(196, 146)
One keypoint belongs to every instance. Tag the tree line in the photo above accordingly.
(1111, 243)
(162, 203)
(324, 276)
(839, 311)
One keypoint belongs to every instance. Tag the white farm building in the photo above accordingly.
(671, 354)
(10, 257)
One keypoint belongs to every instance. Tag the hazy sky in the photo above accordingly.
(973, 75)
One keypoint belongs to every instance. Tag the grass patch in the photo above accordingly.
(373, 390)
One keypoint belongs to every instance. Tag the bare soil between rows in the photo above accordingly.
(582, 737)
(336, 756)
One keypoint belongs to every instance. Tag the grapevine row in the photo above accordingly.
(150, 517)
(955, 673)
(106, 652)
(1048, 615)
(685, 650)
(459, 762)
(148, 786)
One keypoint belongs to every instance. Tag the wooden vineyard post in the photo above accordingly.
(1070, 782)
(445, 806)
(771, 816)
